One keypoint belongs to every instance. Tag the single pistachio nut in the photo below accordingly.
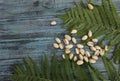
(71, 55)
(84, 37)
(74, 31)
(67, 51)
(80, 57)
(82, 51)
(75, 58)
(106, 48)
(58, 40)
(90, 43)
(80, 62)
(77, 50)
(90, 6)
(89, 33)
(95, 57)
(85, 59)
(102, 52)
(98, 47)
(55, 45)
(97, 52)
(92, 60)
(80, 46)
(66, 41)
(53, 23)
(74, 40)
(92, 48)
(68, 37)
(95, 40)
(63, 56)
(87, 54)
(61, 46)
(69, 46)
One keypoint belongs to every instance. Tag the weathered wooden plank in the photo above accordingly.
(25, 30)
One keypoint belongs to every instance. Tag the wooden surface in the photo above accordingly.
(25, 30)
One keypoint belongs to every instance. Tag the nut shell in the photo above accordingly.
(87, 54)
(75, 58)
(68, 37)
(106, 48)
(74, 31)
(80, 62)
(85, 59)
(67, 51)
(63, 56)
(77, 50)
(90, 43)
(90, 6)
(58, 40)
(93, 48)
(89, 33)
(95, 57)
(74, 40)
(92, 60)
(95, 40)
(82, 51)
(80, 46)
(71, 55)
(55, 45)
(80, 57)
(61, 46)
(69, 46)
(53, 23)
(84, 37)
(66, 41)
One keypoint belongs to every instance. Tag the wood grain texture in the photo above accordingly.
(25, 30)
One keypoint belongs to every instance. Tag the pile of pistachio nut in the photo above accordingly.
(79, 54)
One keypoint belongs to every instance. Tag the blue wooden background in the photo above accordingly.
(25, 30)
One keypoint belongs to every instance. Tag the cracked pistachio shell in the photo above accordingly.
(75, 58)
(92, 48)
(74, 31)
(85, 59)
(80, 62)
(61, 46)
(67, 51)
(66, 41)
(63, 56)
(95, 40)
(97, 52)
(84, 37)
(92, 60)
(80, 57)
(74, 40)
(80, 46)
(68, 37)
(87, 53)
(82, 51)
(102, 52)
(89, 33)
(106, 48)
(58, 40)
(90, 6)
(53, 23)
(90, 43)
(71, 55)
(95, 57)
(69, 46)
(77, 50)
(98, 47)
(55, 45)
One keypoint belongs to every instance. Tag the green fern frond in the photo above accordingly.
(111, 70)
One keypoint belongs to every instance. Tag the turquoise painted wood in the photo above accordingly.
(25, 30)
